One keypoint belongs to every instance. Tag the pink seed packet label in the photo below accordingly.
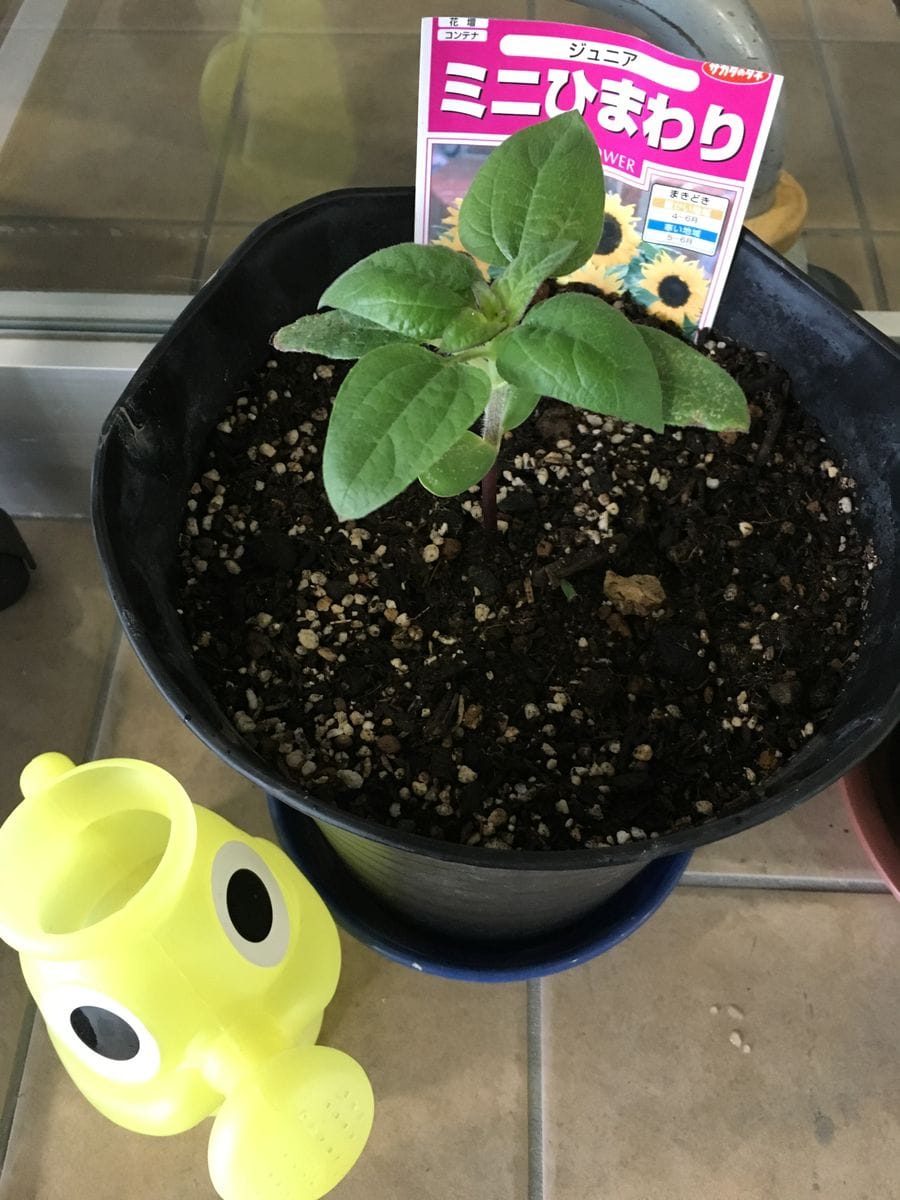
(681, 142)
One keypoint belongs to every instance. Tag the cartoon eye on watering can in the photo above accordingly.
(182, 969)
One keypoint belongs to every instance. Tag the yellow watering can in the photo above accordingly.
(182, 969)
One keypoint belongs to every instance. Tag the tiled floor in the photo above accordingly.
(615, 1079)
(156, 133)
(647, 1096)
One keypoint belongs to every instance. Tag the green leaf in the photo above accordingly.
(541, 190)
(695, 390)
(465, 464)
(399, 410)
(413, 290)
(470, 328)
(583, 351)
(520, 404)
(487, 300)
(517, 285)
(336, 334)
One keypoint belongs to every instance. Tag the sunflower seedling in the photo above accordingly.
(442, 350)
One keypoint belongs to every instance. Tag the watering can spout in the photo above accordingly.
(293, 1127)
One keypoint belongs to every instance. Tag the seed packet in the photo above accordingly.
(681, 142)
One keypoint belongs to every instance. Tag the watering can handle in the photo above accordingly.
(42, 771)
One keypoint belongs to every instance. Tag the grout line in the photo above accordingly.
(153, 30)
(534, 1037)
(47, 222)
(209, 216)
(17, 1071)
(16, 1075)
(844, 147)
(852, 231)
(784, 883)
(71, 518)
(103, 693)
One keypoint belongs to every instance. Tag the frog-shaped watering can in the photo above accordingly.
(182, 969)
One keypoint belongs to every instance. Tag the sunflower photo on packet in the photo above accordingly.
(680, 141)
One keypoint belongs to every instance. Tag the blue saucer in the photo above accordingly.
(364, 915)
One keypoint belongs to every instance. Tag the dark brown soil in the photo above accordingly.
(502, 690)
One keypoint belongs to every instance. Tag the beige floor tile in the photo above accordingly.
(864, 76)
(783, 18)
(845, 255)
(101, 256)
(812, 843)
(61, 1148)
(112, 129)
(15, 1007)
(813, 155)
(54, 644)
(447, 1063)
(887, 247)
(647, 1099)
(139, 723)
(856, 20)
(305, 123)
(222, 240)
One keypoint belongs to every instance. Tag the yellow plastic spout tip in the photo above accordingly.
(293, 1128)
(42, 771)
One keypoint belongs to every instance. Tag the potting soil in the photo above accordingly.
(659, 623)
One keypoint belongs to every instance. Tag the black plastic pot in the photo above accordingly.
(845, 373)
(455, 953)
